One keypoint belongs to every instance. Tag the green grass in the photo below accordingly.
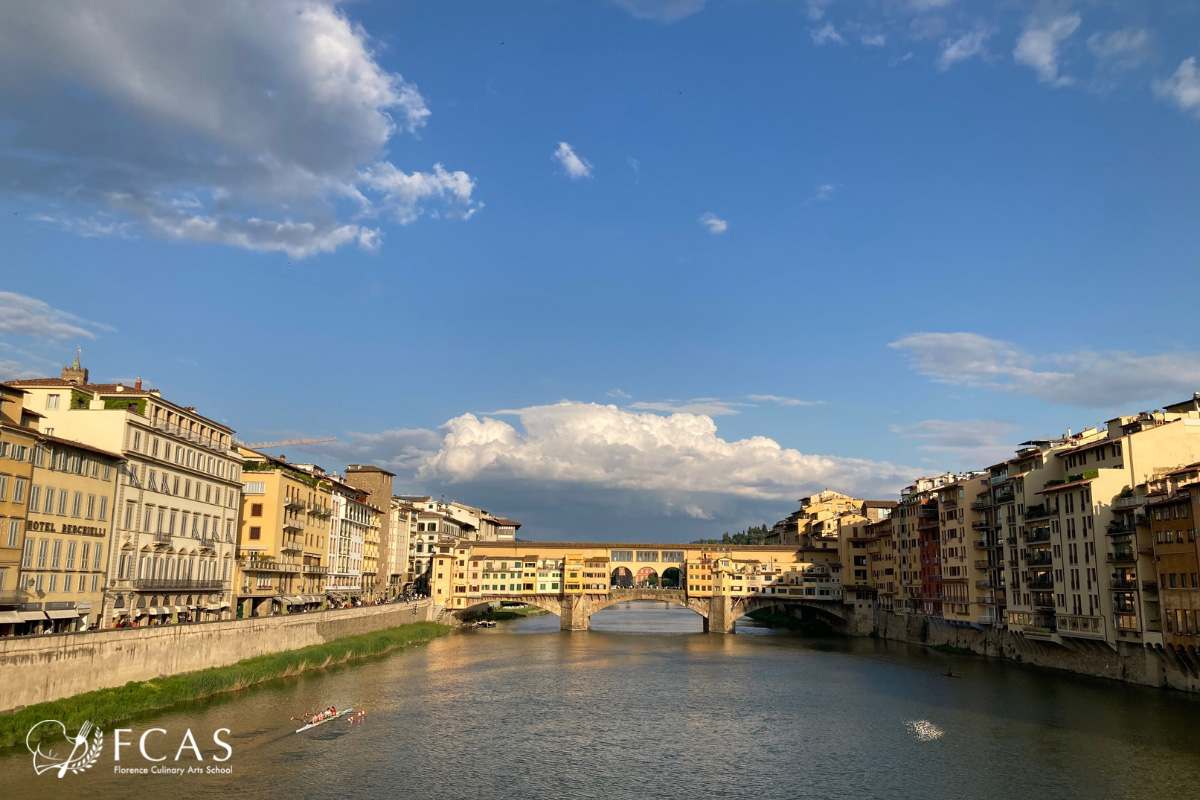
(105, 707)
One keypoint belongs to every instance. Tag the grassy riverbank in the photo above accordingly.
(774, 619)
(107, 707)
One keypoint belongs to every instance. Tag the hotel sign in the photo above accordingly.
(37, 526)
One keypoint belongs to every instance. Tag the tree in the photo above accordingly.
(725, 538)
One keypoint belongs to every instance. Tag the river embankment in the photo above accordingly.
(107, 707)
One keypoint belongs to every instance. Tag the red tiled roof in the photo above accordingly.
(1061, 486)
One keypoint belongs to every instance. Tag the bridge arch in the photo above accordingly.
(813, 609)
(647, 576)
(551, 604)
(675, 598)
(621, 578)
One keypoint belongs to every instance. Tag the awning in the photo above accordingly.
(181, 609)
(294, 600)
(63, 614)
(159, 610)
(139, 612)
(213, 606)
(30, 616)
(10, 618)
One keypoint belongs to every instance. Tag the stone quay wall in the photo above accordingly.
(36, 669)
(1130, 663)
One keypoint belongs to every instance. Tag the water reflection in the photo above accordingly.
(645, 705)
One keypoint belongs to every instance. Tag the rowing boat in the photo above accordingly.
(327, 719)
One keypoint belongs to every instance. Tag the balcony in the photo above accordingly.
(291, 546)
(1041, 558)
(259, 565)
(162, 538)
(987, 584)
(950, 502)
(928, 511)
(1125, 555)
(1150, 586)
(985, 565)
(1042, 600)
(1041, 584)
(315, 569)
(1004, 495)
(981, 505)
(1119, 529)
(1039, 512)
(293, 502)
(177, 585)
(293, 523)
(12, 597)
(1037, 536)
(981, 525)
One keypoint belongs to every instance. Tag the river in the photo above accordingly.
(645, 705)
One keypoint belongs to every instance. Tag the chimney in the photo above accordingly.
(282, 457)
(138, 383)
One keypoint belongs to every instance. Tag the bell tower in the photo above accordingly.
(76, 374)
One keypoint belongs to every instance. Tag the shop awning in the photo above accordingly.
(159, 610)
(30, 616)
(66, 613)
(213, 606)
(10, 618)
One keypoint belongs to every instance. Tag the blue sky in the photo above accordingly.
(678, 263)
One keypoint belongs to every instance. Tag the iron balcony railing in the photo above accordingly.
(177, 584)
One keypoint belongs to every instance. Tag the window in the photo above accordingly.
(52, 401)
(70, 555)
(255, 532)
(3, 487)
(256, 509)
(103, 515)
(19, 491)
(56, 556)
(14, 532)
(43, 548)
(96, 560)
(62, 503)
(77, 505)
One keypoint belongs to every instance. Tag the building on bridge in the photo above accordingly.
(573, 580)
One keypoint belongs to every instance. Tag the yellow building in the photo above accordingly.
(18, 438)
(69, 532)
(282, 537)
(964, 574)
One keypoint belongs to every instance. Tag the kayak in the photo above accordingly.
(327, 719)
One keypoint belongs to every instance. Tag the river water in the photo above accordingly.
(645, 705)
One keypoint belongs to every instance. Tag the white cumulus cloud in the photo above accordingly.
(714, 223)
(1122, 49)
(575, 166)
(1182, 88)
(606, 447)
(1038, 46)
(1083, 378)
(257, 125)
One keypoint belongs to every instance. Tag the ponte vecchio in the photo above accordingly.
(576, 579)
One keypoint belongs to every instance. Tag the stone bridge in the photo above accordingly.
(720, 613)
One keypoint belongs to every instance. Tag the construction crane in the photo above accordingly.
(288, 443)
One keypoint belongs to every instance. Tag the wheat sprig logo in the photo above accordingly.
(83, 754)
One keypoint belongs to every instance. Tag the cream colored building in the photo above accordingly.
(178, 496)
